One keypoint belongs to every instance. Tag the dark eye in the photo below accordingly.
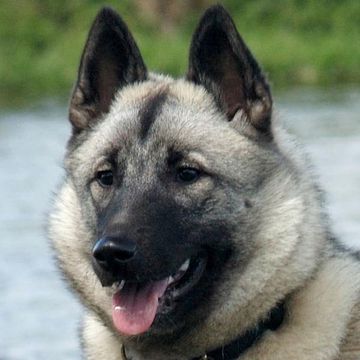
(105, 178)
(188, 174)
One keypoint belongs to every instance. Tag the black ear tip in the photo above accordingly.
(215, 16)
(216, 12)
(107, 11)
(107, 15)
(108, 18)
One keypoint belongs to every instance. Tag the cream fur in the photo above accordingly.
(319, 318)
(293, 256)
(98, 340)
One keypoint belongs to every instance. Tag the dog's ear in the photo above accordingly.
(110, 60)
(220, 61)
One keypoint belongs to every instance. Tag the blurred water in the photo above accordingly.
(38, 316)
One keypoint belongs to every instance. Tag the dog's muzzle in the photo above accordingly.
(138, 292)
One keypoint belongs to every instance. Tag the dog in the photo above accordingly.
(189, 222)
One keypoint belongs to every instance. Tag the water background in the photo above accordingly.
(39, 317)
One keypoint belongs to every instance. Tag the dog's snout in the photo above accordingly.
(111, 250)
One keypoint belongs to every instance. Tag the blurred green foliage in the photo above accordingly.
(312, 42)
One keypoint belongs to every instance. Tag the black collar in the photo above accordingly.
(237, 347)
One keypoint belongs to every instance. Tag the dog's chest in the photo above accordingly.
(350, 349)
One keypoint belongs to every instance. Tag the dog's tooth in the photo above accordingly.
(121, 285)
(171, 280)
(117, 286)
(114, 286)
(185, 265)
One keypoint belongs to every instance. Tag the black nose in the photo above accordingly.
(111, 250)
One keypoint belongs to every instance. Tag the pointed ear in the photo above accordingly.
(220, 61)
(110, 60)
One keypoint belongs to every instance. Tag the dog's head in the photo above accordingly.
(179, 207)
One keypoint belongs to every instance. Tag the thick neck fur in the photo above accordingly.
(299, 267)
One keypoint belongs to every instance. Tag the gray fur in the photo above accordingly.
(258, 186)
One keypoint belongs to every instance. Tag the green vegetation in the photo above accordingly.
(298, 42)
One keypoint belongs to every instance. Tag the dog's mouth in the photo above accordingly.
(135, 305)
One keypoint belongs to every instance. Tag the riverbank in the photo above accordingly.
(297, 42)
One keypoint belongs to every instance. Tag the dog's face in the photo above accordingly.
(161, 204)
(166, 193)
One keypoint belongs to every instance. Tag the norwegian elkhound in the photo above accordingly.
(189, 222)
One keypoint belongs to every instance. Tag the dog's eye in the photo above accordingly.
(188, 174)
(105, 178)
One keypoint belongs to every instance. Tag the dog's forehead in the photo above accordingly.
(154, 116)
(160, 109)
(163, 105)
(185, 92)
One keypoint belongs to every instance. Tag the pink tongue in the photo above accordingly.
(134, 308)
